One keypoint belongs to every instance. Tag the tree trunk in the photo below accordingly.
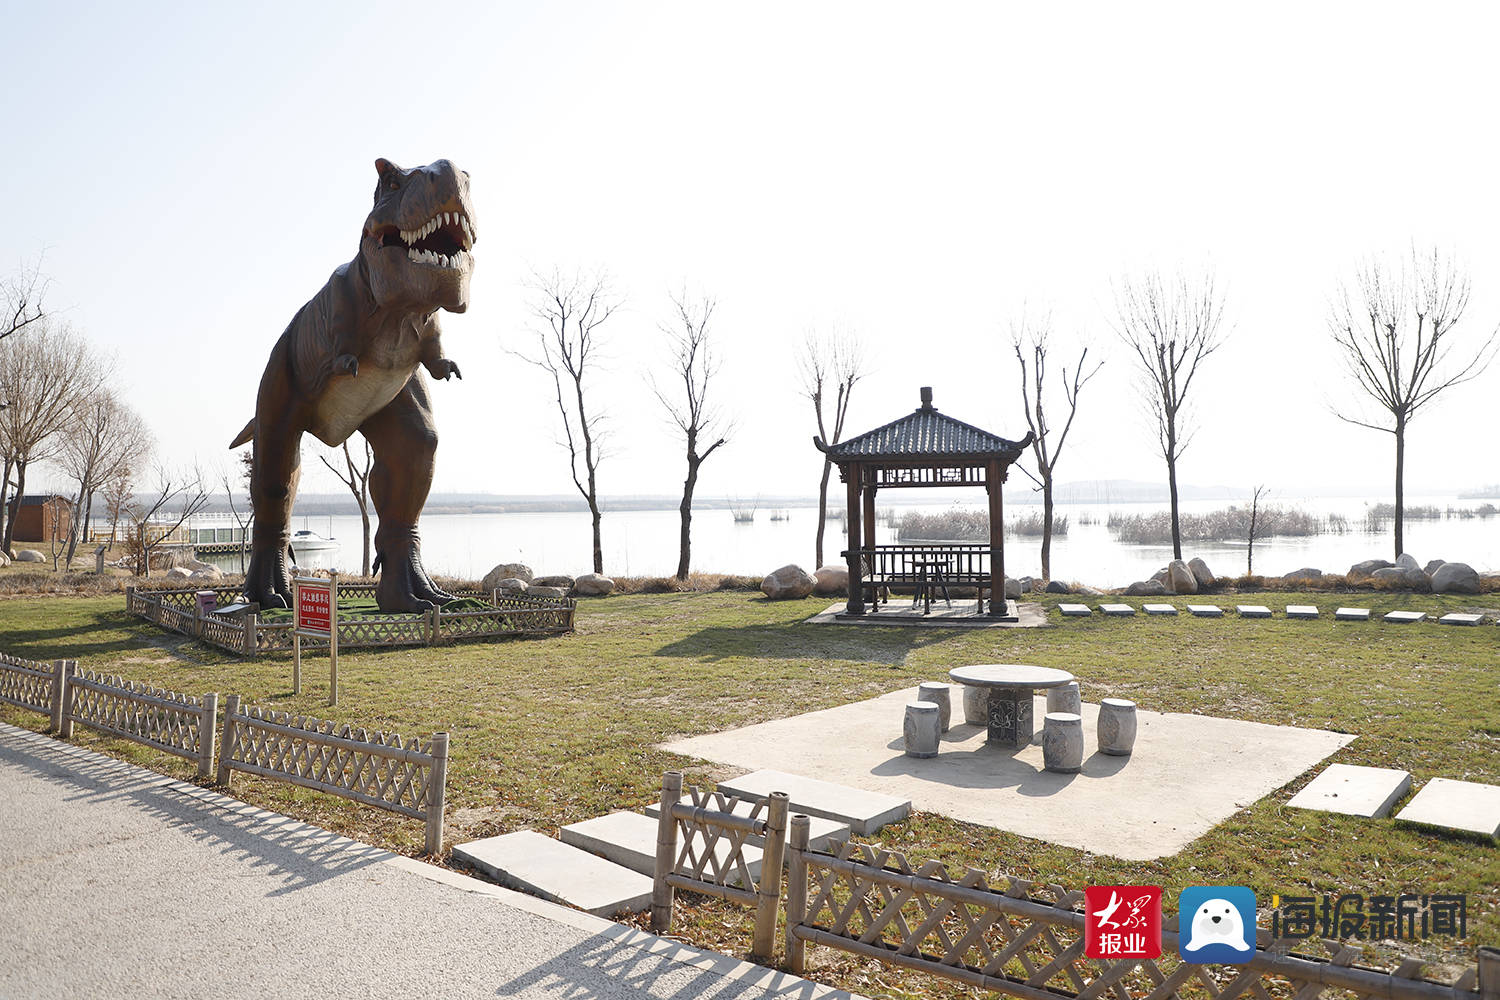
(685, 543)
(73, 527)
(364, 523)
(1172, 489)
(1400, 489)
(1046, 528)
(598, 546)
(4, 497)
(10, 526)
(822, 509)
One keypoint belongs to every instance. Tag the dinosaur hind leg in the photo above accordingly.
(404, 442)
(273, 487)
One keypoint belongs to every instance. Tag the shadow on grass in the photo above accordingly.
(800, 641)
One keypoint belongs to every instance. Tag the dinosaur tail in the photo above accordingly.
(244, 435)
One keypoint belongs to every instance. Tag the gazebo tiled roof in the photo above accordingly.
(924, 433)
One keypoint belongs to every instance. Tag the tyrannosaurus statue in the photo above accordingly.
(348, 361)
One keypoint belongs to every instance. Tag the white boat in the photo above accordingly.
(306, 543)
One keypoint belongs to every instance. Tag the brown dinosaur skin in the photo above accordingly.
(348, 361)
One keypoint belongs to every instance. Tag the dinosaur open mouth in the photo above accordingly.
(442, 241)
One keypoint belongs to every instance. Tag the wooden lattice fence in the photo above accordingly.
(1027, 941)
(700, 846)
(374, 768)
(176, 723)
(30, 684)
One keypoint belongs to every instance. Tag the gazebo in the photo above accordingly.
(925, 448)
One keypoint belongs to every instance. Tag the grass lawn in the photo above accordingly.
(550, 731)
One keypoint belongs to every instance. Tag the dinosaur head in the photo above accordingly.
(418, 237)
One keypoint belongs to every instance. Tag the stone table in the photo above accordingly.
(1011, 686)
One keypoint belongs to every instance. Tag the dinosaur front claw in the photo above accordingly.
(346, 364)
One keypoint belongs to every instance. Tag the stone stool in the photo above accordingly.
(976, 705)
(1065, 699)
(937, 693)
(921, 729)
(1116, 726)
(1062, 742)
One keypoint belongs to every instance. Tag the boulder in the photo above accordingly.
(1057, 587)
(208, 574)
(1089, 592)
(594, 585)
(1201, 572)
(1012, 589)
(1364, 570)
(1432, 566)
(179, 573)
(1407, 561)
(831, 581)
(1160, 576)
(787, 583)
(1147, 588)
(29, 555)
(537, 590)
(1455, 578)
(1414, 579)
(1028, 584)
(1391, 576)
(562, 581)
(1180, 578)
(506, 571)
(510, 587)
(1305, 573)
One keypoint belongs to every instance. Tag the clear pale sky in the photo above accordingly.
(917, 173)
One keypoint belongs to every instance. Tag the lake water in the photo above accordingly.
(644, 543)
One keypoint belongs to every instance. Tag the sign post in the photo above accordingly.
(317, 609)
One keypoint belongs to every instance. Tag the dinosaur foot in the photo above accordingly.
(404, 585)
(266, 581)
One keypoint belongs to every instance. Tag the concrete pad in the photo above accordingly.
(1148, 805)
(863, 809)
(821, 832)
(1354, 790)
(1118, 610)
(1456, 805)
(962, 615)
(1404, 617)
(629, 839)
(528, 861)
(1160, 609)
(1206, 610)
(1301, 611)
(1252, 611)
(1075, 610)
(1454, 618)
(1352, 615)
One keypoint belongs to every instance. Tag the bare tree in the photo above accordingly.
(698, 419)
(46, 375)
(1033, 337)
(21, 298)
(1171, 327)
(155, 520)
(357, 478)
(1394, 329)
(570, 312)
(247, 466)
(119, 500)
(1255, 498)
(829, 364)
(104, 437)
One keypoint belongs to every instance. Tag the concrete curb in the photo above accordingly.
(740, 972)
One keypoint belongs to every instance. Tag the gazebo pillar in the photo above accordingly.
(855, 480)
(994, 478)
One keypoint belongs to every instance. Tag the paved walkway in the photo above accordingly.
(116, 881)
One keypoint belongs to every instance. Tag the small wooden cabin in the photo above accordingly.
(38, 515)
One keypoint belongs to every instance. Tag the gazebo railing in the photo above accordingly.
(896, 566)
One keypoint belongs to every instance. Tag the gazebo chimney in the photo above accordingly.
(927, 397)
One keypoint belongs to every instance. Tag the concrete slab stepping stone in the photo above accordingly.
(1404, 617)
(1454, 618)
(821, 832)
(1118, 610)
(548, 868)
(629, 839)
(1456, 805)
(865, 812)
(1160, 609)
(1206, 610)
(1352, 615)
(1301, 611)
(1252, 610)
(1075, 610)
(1354, 790)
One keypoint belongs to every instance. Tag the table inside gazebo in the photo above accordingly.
(899, 569)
